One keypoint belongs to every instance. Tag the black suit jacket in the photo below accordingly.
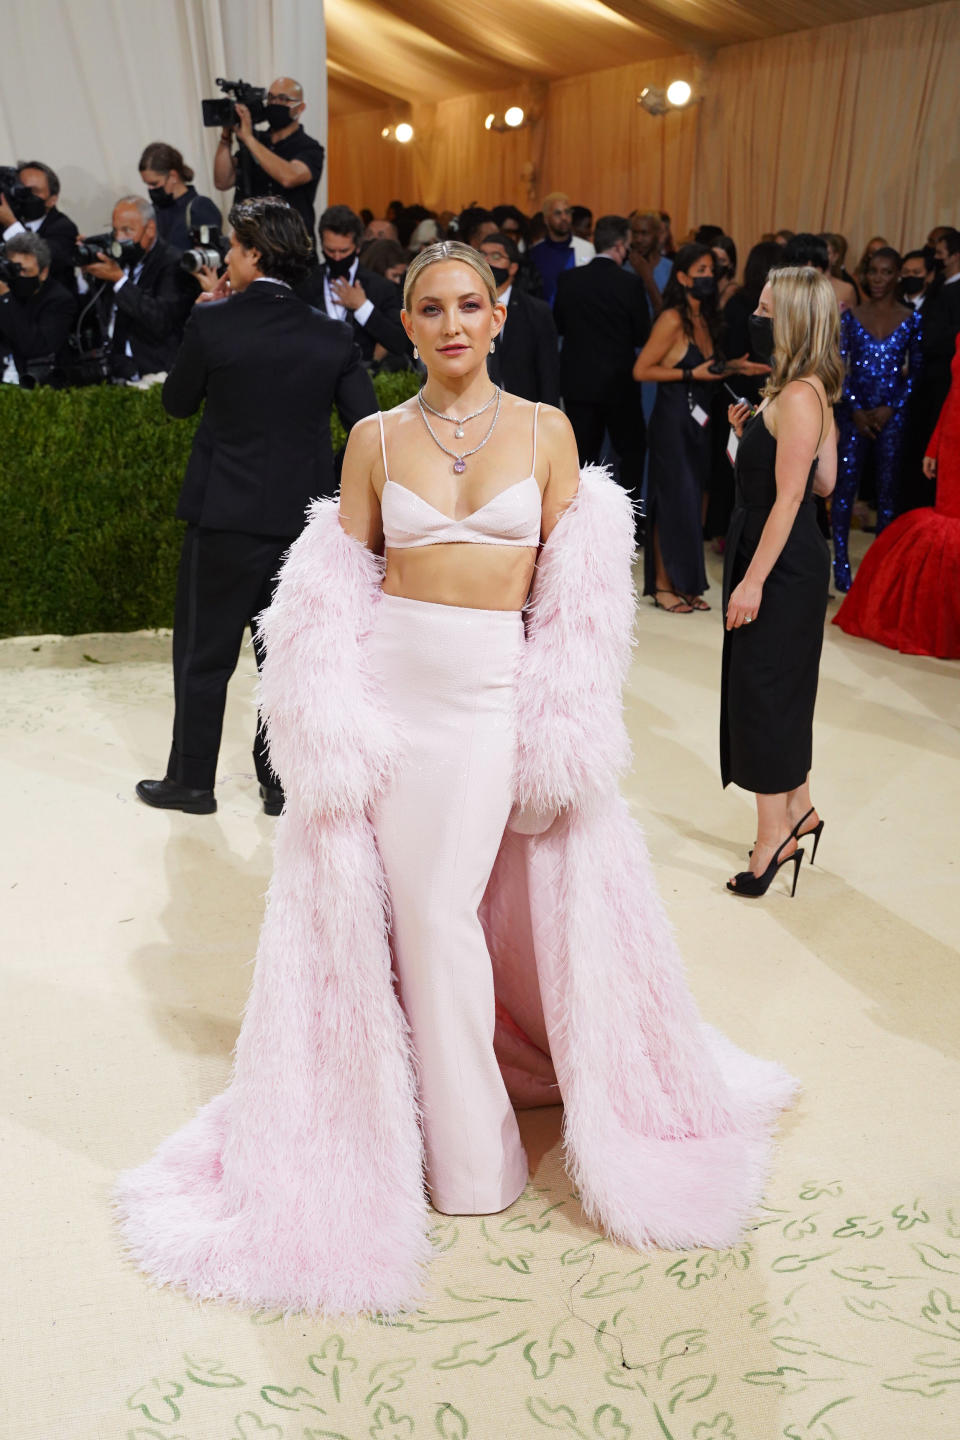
(602, 314)
(383, 326)
(526, 360)
(39, 326)
(269, 368)
(60, 234)
(151, 313)
(941, 325)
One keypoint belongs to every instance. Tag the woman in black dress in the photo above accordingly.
(777, 570)
(679, 356)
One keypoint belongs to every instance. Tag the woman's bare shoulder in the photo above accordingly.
(553, 427)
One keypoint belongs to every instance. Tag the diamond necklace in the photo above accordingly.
(452, 419)
(459, 461)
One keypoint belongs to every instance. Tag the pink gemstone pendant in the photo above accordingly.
(459, 466)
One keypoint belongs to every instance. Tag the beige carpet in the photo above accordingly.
(127, 936)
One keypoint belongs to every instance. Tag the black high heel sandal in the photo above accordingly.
(816, 832)
(752, 886)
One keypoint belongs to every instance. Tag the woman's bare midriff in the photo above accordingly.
(475, 576)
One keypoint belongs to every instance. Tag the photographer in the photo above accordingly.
(346, 290)
(268, 369)
(36, 312)
(41, 217)
(145, 300)
(284, 161)
(178, 207)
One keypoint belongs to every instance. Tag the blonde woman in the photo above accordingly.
(777, 569)
(445, 656)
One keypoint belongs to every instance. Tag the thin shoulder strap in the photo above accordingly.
(383, 445)
(816, 392)
(536, 417)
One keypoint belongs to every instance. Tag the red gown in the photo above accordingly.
(907, 591)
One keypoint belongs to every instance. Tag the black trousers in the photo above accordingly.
(622, 418)
(225, 579)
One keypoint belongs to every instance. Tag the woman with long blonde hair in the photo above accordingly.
(777, 569)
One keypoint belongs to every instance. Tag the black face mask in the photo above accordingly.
(160, 199)
(501, 275)
(704, 287)
(339, 269)
(912, 284)
(279, 117)
(761, 337)
(24, 287)
(31, 207)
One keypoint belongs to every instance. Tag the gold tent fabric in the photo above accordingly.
(849, 127)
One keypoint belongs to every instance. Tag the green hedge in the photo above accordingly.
(89, 481)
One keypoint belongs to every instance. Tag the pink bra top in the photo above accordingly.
(511, 517)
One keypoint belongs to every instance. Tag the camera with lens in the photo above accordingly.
(126, 252)
(22, 201)
(9, 269)
(209, 247)
(238, 92)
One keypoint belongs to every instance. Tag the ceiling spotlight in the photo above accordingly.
(404, 132)
(385, 132)
(514, 116)
(679, 93)
(487, 124)
(653, 100)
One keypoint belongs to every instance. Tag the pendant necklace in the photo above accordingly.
(460, 461)
(452, 419)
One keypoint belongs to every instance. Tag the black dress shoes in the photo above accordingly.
(272, 797)
(168, 795)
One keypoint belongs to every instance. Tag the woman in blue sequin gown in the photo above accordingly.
(880, 342)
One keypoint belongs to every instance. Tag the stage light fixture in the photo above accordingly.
(514, 116)
(404, 133)
(653, 99)
(679, 93)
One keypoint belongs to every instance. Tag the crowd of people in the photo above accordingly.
(644, 352)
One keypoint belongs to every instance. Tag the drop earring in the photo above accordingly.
(493, 347)
(416, 353)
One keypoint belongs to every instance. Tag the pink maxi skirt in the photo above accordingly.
(448, 676)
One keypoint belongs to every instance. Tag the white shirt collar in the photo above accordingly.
(504, 299)
(953, 279)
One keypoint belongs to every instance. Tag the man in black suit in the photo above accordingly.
(35, 312)
(526, 358)
(145, 300)
(268, 369)
(345, 290)
(41, 216)
(602, 315)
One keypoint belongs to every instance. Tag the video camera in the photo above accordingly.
(224, 112)
(209, 247)
(22, 201)
(126, 252)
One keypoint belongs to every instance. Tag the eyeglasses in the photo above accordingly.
(282, 99)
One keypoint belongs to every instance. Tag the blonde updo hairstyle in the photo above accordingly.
(806, 331)
(448, 250)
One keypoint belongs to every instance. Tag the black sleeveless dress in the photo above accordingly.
(678, 451)
(771, 667)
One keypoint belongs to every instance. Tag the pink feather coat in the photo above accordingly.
(301, 1186)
